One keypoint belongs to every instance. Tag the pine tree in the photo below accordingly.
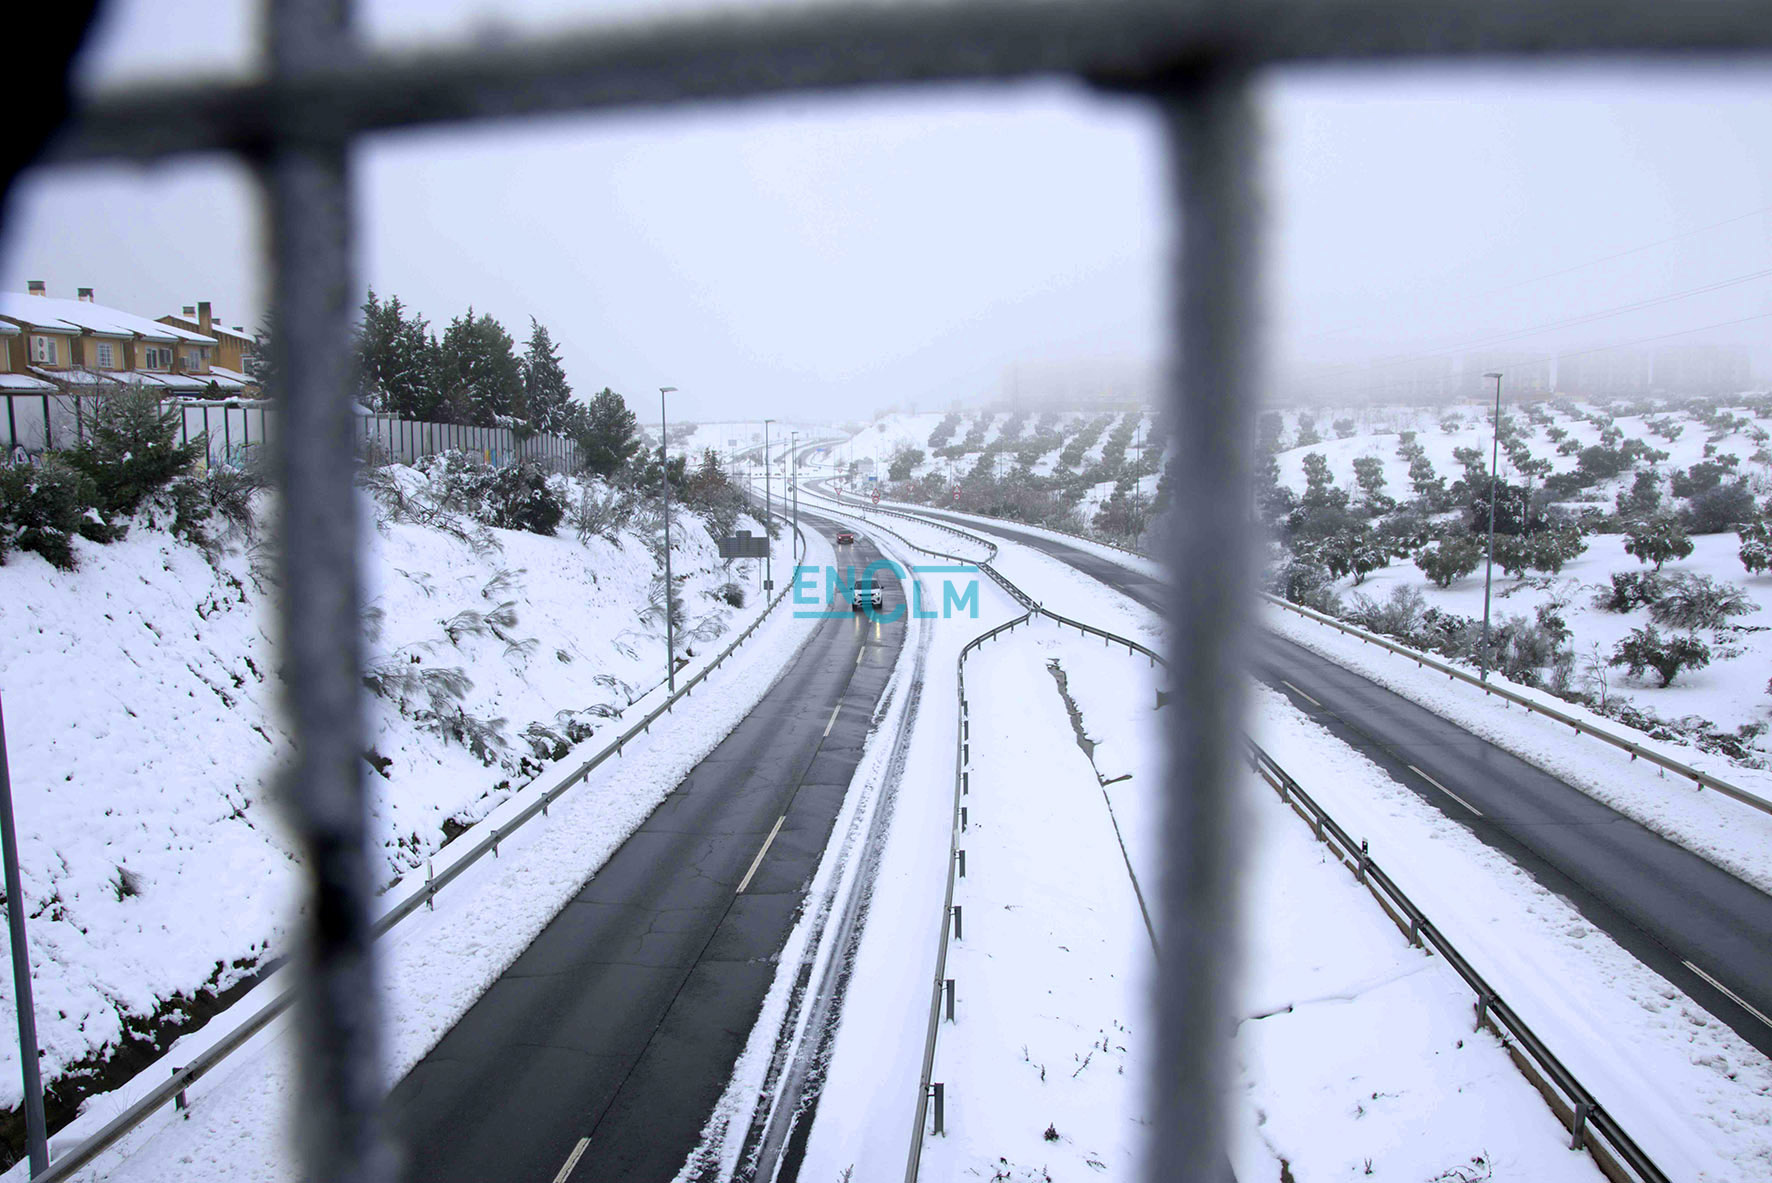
(608, 433)
(547, 393)
(398, 358)
(481, 378)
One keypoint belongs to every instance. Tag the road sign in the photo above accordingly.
(956, 492)
(744, 545)
(876, 496)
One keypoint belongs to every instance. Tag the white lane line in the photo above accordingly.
(1737, 999)
(1300, 693)
(758, 861)
(1430, 780)
(833, 721)
(860, 653)
(572, 1160)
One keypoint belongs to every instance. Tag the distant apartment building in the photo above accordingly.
(1603, 373)
(1701, 369)
(81, 346)
(1521, 374)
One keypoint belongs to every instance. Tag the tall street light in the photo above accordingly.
(1494, 480)
(794, 453)
(768, 550)
(664, 481)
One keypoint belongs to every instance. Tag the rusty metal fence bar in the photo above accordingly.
(1192, 58)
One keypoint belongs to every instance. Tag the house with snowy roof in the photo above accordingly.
(15, 377)
(80, 346)
(233, 345)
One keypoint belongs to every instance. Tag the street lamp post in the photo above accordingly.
(794, 453)
(664, 481)
(1494, 480)
(769, 548)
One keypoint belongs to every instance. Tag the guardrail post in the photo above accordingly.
(937, 1095)
(430, 894)
(1484, 998)
(965, 784)
(957, 926)
(960, 857)
(179, 1103)
(1577, 1124)
(948, 989)
(962, 819)
(1365, 859)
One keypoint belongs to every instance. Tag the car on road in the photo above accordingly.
(868, 594)
(845, 538)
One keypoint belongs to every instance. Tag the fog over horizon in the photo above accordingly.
(814, 258)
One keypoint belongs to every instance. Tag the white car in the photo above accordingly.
(868, 594)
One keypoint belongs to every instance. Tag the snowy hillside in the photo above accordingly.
(143, 733)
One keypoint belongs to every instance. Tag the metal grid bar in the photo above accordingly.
(307, 188)
(1212, 393)
(1193, 57)
(833, 46)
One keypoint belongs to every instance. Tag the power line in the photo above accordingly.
(1549, 326)
(1562, 271)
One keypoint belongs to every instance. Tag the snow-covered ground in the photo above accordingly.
(1731, 692)
(435, 964)
(141, 697)
(1696, 1096)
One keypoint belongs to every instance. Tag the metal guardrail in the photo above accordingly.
(1569, 1099)
(418, 896)
(1702, 779)
(1567, 1095)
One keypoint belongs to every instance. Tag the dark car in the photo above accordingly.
(845, 538)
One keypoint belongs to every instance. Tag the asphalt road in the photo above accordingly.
(1697, 926)
(610, 1039)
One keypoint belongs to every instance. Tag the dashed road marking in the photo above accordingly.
(1300, 693)
(758, 861)
(1430, 780)
(1737, 999)
(572, 1160)
(833, 719)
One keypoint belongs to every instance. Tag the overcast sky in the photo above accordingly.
(828, 258)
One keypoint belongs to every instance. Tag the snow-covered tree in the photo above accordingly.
(482, 379)
(546, 392)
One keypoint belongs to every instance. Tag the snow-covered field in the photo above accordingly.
(141, 697)
(1731, 692)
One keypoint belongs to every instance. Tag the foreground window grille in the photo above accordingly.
(1195, 62)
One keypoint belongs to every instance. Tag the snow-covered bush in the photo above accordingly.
(1452, 558)
(1719, 508)
(1756, 546)
(509, 497)
(1693, 602)
(600, 512)
(1647, 649)
(1658, 541)
(43, 506)
(1630, 590)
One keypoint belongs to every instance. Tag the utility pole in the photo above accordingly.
(1489, 568)
(769, 550)
(664, 475)
(36, 1133)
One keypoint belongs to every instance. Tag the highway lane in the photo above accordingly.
(1696, 925)
(609, 1040)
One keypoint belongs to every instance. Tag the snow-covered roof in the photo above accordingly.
(17, 383)
(66, 316)
(8, 329)
(220, 372)
(178, 383)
